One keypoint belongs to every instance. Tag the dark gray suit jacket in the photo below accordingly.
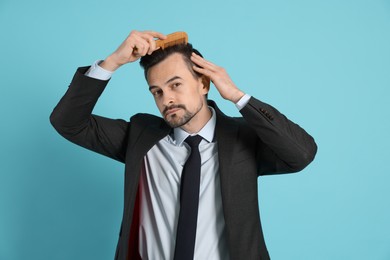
(262, 141)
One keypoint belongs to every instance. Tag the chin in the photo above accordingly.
(174, 123)
(177, 122)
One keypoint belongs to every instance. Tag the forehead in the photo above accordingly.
(173, 65)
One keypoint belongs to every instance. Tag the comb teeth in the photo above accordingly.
(173, 39)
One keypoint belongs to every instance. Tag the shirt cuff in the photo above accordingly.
(243, 101)
(97, 72)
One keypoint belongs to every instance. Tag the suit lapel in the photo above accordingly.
(150, 136)
(226, 132)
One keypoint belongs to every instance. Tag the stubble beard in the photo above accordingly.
(176, 121)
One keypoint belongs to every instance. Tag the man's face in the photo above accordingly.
(178, 94)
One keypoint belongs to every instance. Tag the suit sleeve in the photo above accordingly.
(283, 146)
(73, 118)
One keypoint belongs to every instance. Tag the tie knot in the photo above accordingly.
(193, 141)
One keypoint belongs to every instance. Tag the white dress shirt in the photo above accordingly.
(160, 187)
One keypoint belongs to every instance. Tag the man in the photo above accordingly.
(233, 153)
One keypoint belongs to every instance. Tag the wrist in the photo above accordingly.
(109, 64)
(236, 96)
(97, 72)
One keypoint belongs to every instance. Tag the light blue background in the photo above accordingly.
(325, 64)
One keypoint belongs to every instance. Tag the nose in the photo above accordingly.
(168, 98)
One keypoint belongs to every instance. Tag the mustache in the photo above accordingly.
(172, 107)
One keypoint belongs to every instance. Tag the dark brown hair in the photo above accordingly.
(158, 56)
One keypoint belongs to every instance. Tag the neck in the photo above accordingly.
(198, 121)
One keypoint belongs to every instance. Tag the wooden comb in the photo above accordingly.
(173, 39)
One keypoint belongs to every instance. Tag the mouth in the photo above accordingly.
(172, 109)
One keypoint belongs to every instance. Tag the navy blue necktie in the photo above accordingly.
(189, 202)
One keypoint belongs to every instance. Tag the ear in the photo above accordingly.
(205, 84)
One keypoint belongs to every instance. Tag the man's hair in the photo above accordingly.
(159, 55)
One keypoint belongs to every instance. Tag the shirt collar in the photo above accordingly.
(207, 132)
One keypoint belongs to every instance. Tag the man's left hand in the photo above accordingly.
(219, 77)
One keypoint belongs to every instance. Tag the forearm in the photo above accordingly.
(292, 146)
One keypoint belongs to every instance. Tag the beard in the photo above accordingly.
(174, 120)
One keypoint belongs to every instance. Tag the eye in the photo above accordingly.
(177, 84)
(157, 92)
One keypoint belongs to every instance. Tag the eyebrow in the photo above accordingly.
(167, 82)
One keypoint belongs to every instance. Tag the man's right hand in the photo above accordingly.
(136, 45)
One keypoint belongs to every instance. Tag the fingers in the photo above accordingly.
(203, 66)
(152, 43)
(140, 46)
(202, 71)
(218, 76)
(136, 45)
(143, 43)
(156, 35)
